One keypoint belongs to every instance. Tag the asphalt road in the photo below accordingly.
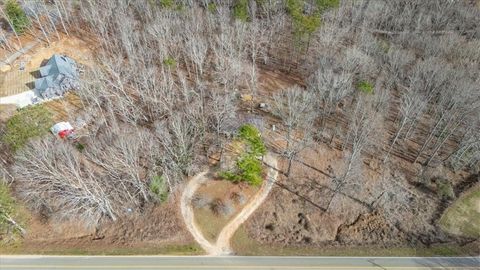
(230, 262)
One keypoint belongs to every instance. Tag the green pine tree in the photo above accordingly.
(17, 16)
(240, 10)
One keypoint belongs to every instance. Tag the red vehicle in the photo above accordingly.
(63, 130)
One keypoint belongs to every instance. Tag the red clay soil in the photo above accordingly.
(295, 212)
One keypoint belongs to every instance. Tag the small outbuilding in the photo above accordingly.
(58, 76)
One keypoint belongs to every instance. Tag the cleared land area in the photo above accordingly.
(207, 217)
(463, 217)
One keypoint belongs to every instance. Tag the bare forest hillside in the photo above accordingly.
(372, 106)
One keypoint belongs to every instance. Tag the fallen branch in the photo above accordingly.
(14, 224)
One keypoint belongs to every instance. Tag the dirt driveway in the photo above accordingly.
(222, 245)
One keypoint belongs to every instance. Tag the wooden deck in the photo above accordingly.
(16, 81)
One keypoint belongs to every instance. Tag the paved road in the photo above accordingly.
(227, 262)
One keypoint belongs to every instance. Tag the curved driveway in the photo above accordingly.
(222, 245)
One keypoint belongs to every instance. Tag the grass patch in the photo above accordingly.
(210, 224)
(242, 244)
(327, 4)
(62, 109)
(445, 189)
(27, 123)
(463, 217)
(174, 249)
(10, 209)
(7, 111)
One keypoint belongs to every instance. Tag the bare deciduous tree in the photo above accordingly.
(363, 122)
(104, 182)
(178, 138)
(295, 107)
(330, 88)
(410, 109)
(222, 113)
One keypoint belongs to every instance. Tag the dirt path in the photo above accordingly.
(223, 240)
(187, 213)
(222, 245)
(11, 58)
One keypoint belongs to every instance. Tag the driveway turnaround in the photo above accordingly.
(234, 262)
(222, 245)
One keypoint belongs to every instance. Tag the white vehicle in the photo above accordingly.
(63, 130)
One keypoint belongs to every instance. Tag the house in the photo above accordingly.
(58, 76)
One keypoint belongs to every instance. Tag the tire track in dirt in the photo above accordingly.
(223, 240)
(222, 245)
(187, 213)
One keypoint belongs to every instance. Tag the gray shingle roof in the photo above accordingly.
(57, 68)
